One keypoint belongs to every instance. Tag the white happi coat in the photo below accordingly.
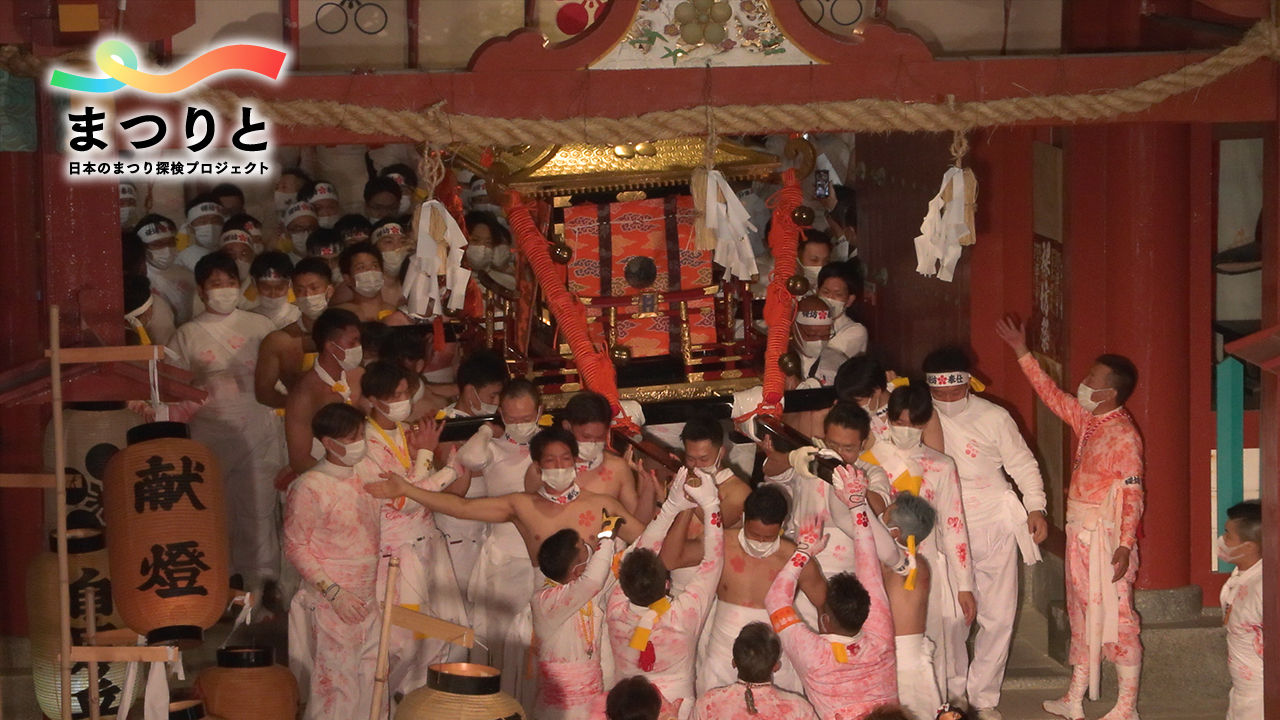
(426, 582)
(985, 443)
(331, 533)
(568, 622)
(1242, 607)
(245, 436)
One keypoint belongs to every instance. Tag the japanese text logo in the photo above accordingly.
(119, 62)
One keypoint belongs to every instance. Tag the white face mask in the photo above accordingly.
(160, 258)
(350, 357)
(1084, 394)
(391, 259)
(521, 432)
(404, 205)
(243, 267)
(501, 256)
(222, 300)
(881, 411)
(592, 453)
(479, 256)
(284, 200)
(206, 236)
(327, 221)
(335, 275)
(811, 274)
(368, 283)
(397, 411)
(485, 408)
(299, 241)
(273, 305)
(558, 480)
(807, 348)
(756, 548)
(951, 408)
(126, 214)
(905, 437)
(313, 305)
(837, 308)
(352, 452)
(1227, 553)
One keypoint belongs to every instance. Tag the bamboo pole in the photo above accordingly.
(60, 503)
(380, 673)
(90, 636)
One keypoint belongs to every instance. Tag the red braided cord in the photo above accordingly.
(779, 304)
(593, 365)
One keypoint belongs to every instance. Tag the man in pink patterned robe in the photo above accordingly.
(1104, 508)
(848, 668)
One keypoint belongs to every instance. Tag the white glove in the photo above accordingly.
(475, 453)
(349, 607)
(676, 499)
(439, 480)
(705, 494)
(801, 458)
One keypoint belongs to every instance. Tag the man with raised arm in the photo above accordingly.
(1104, 508)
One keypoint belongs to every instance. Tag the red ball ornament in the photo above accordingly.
(571, 19)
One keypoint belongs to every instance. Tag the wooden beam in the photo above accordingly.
(432, 627)
(27, 480)
(123, 353)
(111, 653)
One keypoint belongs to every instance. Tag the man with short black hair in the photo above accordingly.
(1104, 509)
(170, 279)
(910, 520)
(220, 347)
(847, 667)
(289, 352)
(331, 537)
(1241, 596)
(985, 443)
(919, 470)
(568, 622)
(652, 632)
(334, 377)
(757, 655)
(271, 272)
(753, 555)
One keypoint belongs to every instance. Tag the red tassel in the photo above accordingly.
(648, 657)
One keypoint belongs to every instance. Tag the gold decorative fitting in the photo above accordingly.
(558, 170)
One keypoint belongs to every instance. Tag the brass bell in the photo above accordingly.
(561, 253)
(621, 354)
(789, 363)
(646, 149)
(798, 285)
(624, 151)
(802, 216)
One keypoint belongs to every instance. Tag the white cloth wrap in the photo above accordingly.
(1100, 525)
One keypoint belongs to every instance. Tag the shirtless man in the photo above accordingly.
(753, 555)
(704, 455)
(407, 347)
(288, 353)
(335, 377)
(361, 266)
(911, 516)
(505, 581)
(587, 416)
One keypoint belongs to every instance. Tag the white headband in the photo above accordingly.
(814, 317)
(397, 177)
(385, 230)
(946, 379)
(205, 208)
(297, 210)
(272, 274)
(324, 191)
(154, 232)
(236, 236)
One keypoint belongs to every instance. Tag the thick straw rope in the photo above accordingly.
(438, 127)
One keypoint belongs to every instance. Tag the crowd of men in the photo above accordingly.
(845, 583)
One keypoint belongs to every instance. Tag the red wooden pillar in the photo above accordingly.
(1147, 318)
(1269, 426)
(1127, 253)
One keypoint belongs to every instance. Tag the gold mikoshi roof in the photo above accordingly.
(579, 167)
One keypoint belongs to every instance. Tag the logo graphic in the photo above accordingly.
(119, 62)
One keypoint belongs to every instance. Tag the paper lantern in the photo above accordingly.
(93, 432)
(167, 534)
(460, 691)
(248, 685)
(88, 568)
